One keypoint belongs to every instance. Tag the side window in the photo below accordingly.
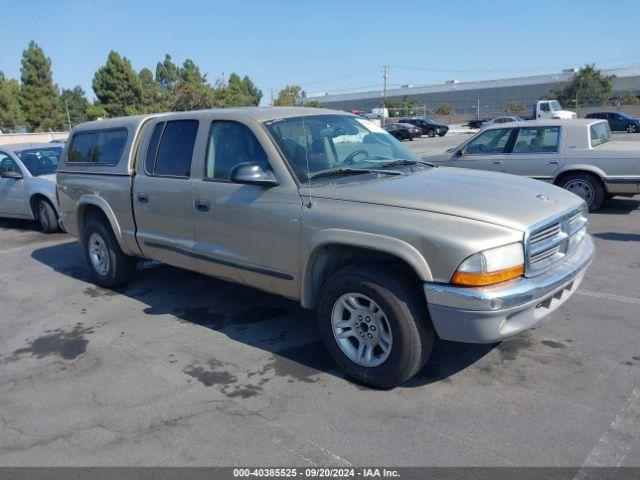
(545, 107)
(537, 140)
(81, 148)
(7, 164)
(488, 142)
(104, 146)
(176, 149)
(230, 144)
(152, 149)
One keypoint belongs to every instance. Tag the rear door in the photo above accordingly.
(12, 201)
(163, 193)
(486, 151)
(535, 152)
(246, 233)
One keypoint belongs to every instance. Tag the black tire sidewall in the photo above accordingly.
(412, 339)
(121, 266)
(431, 133)
(51, 218)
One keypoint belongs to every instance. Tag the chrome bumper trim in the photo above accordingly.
(517, 291)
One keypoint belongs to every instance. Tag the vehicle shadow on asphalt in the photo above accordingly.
(618, 206)
(18, 224)
(241, 313)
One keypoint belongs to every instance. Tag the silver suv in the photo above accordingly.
(328, 209)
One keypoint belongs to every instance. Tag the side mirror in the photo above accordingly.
(11, 174)
(458, 153)
(253, 174)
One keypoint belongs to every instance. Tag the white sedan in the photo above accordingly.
(28, 183)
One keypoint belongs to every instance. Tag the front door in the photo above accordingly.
(163, 194)
(12, 201)
(246, 233)
(535, 152)
(486, 151)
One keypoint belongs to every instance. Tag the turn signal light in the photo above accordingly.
(481, 279)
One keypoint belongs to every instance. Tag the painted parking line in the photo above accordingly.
(614, 445)
(609, 296)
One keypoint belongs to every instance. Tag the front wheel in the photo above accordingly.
(109, 265)
(632, 128)
(431, 132)
(46, 216)
(375, 325)
(587, 186)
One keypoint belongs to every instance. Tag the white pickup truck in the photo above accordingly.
(551, 109)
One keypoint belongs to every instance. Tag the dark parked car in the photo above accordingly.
(618, 121)
(427, 126)
(403, 131)
(477, 122)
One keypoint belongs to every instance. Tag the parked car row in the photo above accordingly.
(403, 131)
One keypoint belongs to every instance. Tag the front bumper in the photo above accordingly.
(491, 314)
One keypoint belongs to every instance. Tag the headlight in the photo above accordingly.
(491, 266)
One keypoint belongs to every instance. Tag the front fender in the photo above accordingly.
(381, 243)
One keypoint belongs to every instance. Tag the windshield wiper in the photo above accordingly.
(404, 161)
(352, 171)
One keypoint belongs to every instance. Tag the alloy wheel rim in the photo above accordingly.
(99, 254)
(582, 189)
(361, 329)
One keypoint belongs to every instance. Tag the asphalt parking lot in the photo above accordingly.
(182, 369)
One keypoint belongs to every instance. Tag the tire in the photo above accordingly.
(404, 318)
(632, 128)
(110, 267)
(442, 134)
(46, 216)
(587, 186)
(431, 132)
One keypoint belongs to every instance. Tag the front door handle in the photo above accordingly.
(203, 205)
(553, 162)
(496, 163)
(143, 198)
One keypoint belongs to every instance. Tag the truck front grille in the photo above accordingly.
(549, 243)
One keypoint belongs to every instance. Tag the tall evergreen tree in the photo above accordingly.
(118, 87)
(38, 94)
(154, 98)
(167, 73)
(11, 116)
(587, 87)
(77, 104)
(289, 96)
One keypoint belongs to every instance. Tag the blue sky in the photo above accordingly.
(325, 45)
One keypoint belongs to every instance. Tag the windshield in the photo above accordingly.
(322, 143)
(40, 161)
(555, 105)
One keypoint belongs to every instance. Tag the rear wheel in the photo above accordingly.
(431, 132)
(109, 265)
(46, 216)
(587, 186)
(375, 325)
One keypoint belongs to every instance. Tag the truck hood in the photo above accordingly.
(497, 198)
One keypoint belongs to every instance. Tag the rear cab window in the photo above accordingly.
(170, 149)
(104, 147)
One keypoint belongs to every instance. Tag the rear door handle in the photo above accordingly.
(203, 205)
(496, 163)
(553, 162)
(143, 198)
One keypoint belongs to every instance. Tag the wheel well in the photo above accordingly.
(328, 259)
(90, 212)
(33, 203)
(558, 181)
